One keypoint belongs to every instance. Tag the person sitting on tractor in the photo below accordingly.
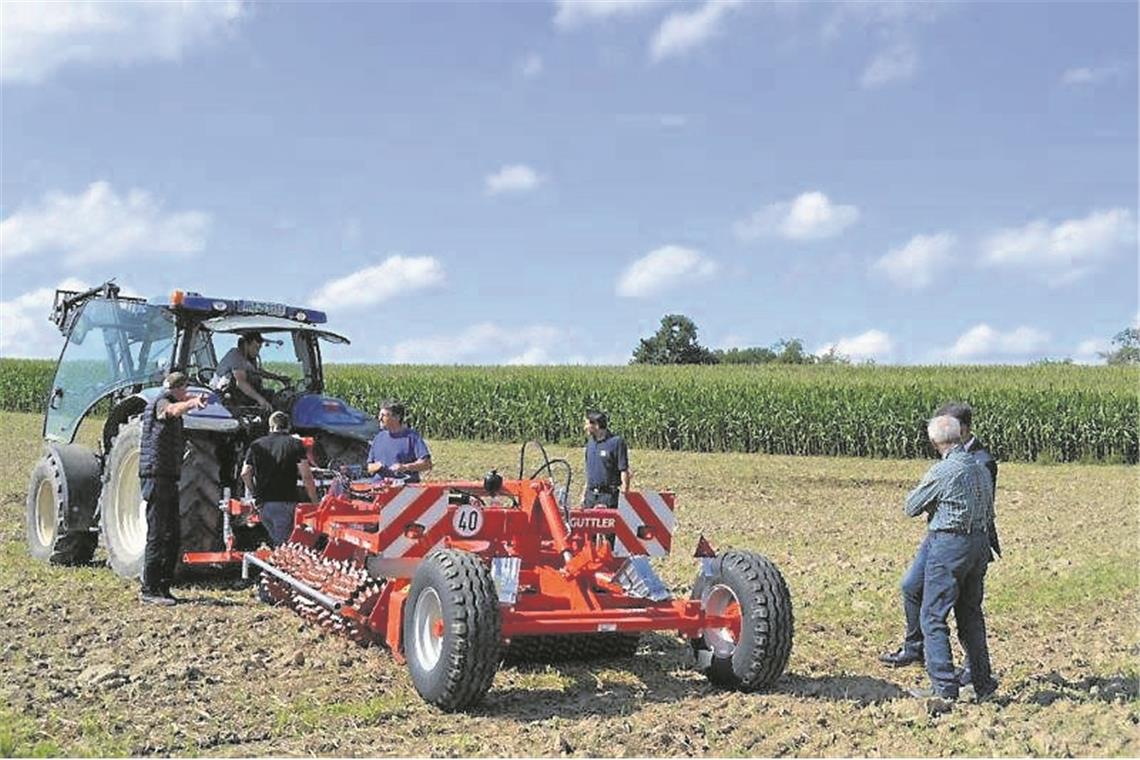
(398, 451)
(240, 367)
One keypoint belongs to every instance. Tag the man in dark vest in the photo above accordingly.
(160, 465)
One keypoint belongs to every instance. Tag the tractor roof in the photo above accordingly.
(257, 323)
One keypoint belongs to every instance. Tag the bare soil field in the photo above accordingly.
(87, 670)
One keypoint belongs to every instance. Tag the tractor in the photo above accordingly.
(456, 577)
(118, 349)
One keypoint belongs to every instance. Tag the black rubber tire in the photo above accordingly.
(471, 645)
(199, 492)
(761, 652)
(124, 524)
(63, 495)
(121, 514)
(573, 647)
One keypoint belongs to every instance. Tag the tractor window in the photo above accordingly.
(112, 345)
(279, 357)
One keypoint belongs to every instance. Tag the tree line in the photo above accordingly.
(675, 342)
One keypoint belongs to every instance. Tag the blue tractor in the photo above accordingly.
(118, 350)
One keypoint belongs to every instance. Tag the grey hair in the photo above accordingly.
(944, 429)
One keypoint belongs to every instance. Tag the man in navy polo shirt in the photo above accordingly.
(397, 451)
(607, 463)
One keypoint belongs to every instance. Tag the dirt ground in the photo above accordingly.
(87, 670)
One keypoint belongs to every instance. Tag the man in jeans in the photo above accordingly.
(911, 650)
(270, 473)
(957, 496)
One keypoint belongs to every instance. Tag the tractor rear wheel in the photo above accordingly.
(123, 512)
(753, 653)
(451, 629)
(199, 492)
(62, 498)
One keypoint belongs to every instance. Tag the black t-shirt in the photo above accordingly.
(274, 458)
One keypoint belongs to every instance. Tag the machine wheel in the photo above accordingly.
(451, 629)
(120, 504)
(62, 497)
(753, 655)
(199, 491)
(573, 647)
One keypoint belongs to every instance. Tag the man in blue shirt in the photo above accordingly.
(911, 650)
(607, 463)
(956, 495)
(397, 451)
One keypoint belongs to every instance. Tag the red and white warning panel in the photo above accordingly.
(642, 524)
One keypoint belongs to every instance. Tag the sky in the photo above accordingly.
(540, 183)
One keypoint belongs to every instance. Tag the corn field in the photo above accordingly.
(1042, 413)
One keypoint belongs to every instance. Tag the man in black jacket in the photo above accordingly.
(160, 466)
(272, 466)
(911, 650)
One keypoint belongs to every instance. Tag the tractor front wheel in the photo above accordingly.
(451, 629)
(747, 645)
(62, 497)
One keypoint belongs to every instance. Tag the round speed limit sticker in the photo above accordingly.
(468, 520)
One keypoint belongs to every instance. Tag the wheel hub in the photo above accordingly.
(720, 601)
(427, 627)
(45, 513)
(129, 521)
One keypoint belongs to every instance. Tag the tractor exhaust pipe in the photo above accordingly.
(324, 600)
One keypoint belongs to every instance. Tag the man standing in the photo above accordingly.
(911, 650)
(239, 366)
(607, 463)
(270, 472)
(160, 466)
(957, 495)
(398, 451)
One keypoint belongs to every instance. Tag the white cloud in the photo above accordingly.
(915, 264)
(36, 39)
(664, 269)
(396, 275)
(99, 226)
(488, 343)
(682, 31)
(1089, 351)
(25, 328)
(896, 63)
(873, 344)
(1090, 76)
(810, 216)
(984, 342)
(1065, 251)
(513, 178)
(531, 66)
(574, 13)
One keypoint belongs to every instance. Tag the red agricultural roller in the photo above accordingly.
(455, 577)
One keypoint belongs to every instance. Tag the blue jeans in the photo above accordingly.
(277, 517)
(912, 583)
(955, 580)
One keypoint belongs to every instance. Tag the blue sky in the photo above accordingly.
(542, 182)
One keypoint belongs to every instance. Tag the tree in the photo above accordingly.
(675, 342)
(1128, 352)
(745, 355)
(791, 351)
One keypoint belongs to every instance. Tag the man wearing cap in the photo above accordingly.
(160, 465)
(240, 366)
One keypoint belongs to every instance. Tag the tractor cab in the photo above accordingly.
(117, 351)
